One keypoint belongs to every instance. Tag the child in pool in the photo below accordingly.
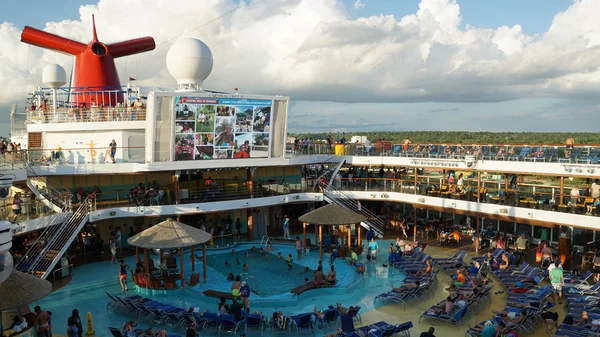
(288, 260)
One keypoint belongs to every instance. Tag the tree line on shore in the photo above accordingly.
(462, 137)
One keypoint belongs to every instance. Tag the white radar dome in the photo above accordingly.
(189, 61)
(54, 76)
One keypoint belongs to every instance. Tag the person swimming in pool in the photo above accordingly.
(230, 277)
(262, 251)
(253, 249)
(305, 270)
(246, 254)
(279, 257)
(266, 256)
(246, 266)
(232, 252)
(237, 261)
(288, 260)
(227, 263)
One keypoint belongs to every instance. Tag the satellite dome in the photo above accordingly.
(189, 61)
(54, 76)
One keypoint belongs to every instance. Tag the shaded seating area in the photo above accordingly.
(168, 235)
(333, 215)
(16, 293)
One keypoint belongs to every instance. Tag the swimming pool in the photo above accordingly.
(272, 276)
(86, 291)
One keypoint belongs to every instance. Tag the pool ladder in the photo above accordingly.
(252, 284)
(265, 239)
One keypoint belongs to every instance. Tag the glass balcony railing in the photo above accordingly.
(584, 154)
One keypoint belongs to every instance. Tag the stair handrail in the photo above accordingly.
(56, 237)
(33, 175)
(342, 198)
(349, 196)
(63, 241)
(373, 222)
(334, 174)
(37, 247)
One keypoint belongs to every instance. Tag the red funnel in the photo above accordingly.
(94, 63)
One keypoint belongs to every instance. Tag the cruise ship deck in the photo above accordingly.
(95, 165)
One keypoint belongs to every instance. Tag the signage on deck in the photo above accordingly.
(221, 126)
(437, 162)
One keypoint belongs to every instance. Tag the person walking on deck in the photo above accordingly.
(286, 228)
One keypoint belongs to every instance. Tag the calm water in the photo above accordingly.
(86, 291)
(272, 276)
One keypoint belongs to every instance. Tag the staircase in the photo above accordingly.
(349, 201)
(59, 200)
(54, 241)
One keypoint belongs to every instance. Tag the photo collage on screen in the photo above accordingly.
(221, 128)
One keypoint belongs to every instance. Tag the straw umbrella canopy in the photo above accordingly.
(171, 234)
(330, 215)
(20, 289)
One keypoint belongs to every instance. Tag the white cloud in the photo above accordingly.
(358, 4)
(312, 50)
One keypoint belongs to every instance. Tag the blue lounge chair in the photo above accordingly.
(303, 323)
(211, 321)
(455, 318)
(254, 322)
(329, 315)
(229, 324)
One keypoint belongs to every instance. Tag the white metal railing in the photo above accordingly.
(265, 239)
(335, 196)
(350, 201)
(79, 115)
(59, 200)
(54, 241)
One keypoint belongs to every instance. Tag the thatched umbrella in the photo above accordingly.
(171, 234)
(331, 215)
(20, 289)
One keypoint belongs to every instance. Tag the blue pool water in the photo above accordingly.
(272, 276)
(86, 291)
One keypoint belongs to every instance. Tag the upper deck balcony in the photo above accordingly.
(549, 153)
(85, 105)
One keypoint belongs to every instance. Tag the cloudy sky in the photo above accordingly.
(495, 65)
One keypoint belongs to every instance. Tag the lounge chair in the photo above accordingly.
(254, 322)
(454, 318)
(303, 323)
(329, 315)
(212, 321)
(229, 324)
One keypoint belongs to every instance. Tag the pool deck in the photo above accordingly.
(397, 313)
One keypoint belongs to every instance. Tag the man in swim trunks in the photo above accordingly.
(42, 320)
(123, 275)
(373, 248)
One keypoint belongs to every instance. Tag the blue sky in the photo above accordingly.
(541, 112)
(534, 15)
